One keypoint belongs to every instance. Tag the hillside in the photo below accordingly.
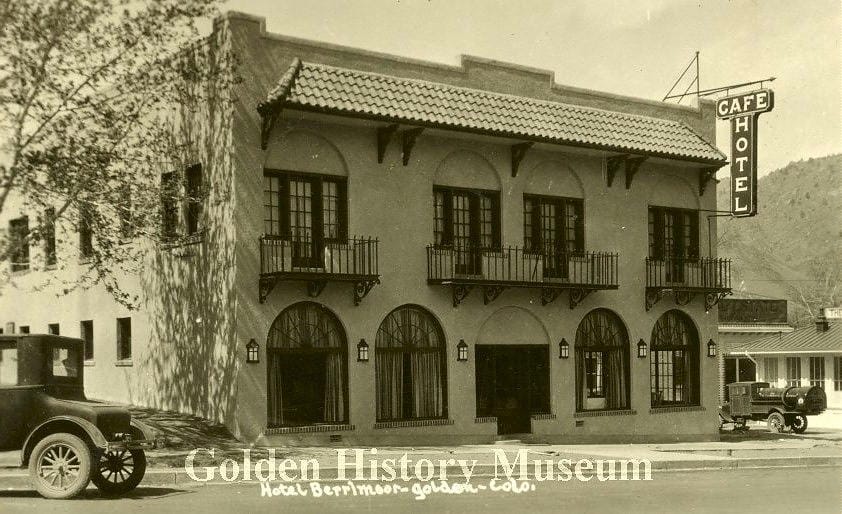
(799, 224)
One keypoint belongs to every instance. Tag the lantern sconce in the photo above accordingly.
(252, 352)
(462, 351)
(362, 351)
(711, 348)
(641, 349)
(563, 349)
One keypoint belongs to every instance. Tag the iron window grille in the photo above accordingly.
(410, 366)
(602, 361)
(674, 361)
(307, 355)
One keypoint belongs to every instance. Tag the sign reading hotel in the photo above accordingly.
(743, 111)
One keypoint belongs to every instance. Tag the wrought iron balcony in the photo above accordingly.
(549, 270)
(686, 278)
(318, 262)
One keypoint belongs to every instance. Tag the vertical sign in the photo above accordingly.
(744, 165)
(743, 111)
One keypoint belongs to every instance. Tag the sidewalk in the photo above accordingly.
(168, 468)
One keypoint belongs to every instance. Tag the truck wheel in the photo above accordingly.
(776, 422)
(799, 423)
(60, 466)
(118, 472)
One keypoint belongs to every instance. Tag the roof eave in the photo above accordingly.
(497, 133)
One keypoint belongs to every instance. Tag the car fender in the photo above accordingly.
(95, 436)
(142, 431)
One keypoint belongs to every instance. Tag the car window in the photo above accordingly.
(8, 366)
(65, 361)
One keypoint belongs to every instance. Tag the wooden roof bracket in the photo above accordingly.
(409, 137)
(518, 153)
(269, 118)
(384, 135)
(613, 164)
(632, 165)
(705, 176)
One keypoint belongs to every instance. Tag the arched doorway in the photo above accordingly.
(674, 361)
(307, 356)
(602, 362)
(512, 370)
(410, 366)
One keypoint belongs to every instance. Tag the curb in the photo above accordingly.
(19, 479)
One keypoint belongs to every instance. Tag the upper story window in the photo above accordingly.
(86, 233)
(309, 210)
(673, 234)
(19, 243)
(124, 213)
(466, 218)
(553, 224)
(169, 211)
(49, 236)
(193, 202)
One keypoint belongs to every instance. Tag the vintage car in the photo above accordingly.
(64, 438)
(781, 407)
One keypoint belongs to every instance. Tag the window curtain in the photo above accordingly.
(615, 379)
(581, 386)
(426, 384)
(602, 331)
(334, 410)
(276, 402)
(389, 374)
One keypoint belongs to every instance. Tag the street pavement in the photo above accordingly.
(808, 490)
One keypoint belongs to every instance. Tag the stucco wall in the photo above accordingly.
(182, 358)
(394, 204)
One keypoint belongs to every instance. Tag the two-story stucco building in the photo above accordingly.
(411, 252)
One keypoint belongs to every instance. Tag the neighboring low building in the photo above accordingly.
(766, 348)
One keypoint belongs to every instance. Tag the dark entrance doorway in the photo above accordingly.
(513, 382)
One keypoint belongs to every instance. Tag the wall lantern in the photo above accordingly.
(252, 351)
(711, 348)
(362, 351)
(462, 351)
(641, 349)
(563, 349)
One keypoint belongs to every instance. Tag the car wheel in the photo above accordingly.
(799, 423)
(118, 472)
(776, 422)
(60, 466)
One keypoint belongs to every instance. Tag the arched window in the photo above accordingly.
(674, 361)
(307, 367)
(410, 366)
(602, 362)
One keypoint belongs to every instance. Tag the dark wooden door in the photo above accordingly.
(512, 384)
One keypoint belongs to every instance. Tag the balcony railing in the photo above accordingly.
(687, 277)
(703, 273)
(512, 266)
(355, 259)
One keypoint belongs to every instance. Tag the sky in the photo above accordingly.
(636, 48)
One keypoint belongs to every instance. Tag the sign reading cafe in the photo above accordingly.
(743, 111)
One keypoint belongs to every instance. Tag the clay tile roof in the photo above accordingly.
(345, 91)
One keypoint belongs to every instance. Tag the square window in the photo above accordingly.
(53, 328)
